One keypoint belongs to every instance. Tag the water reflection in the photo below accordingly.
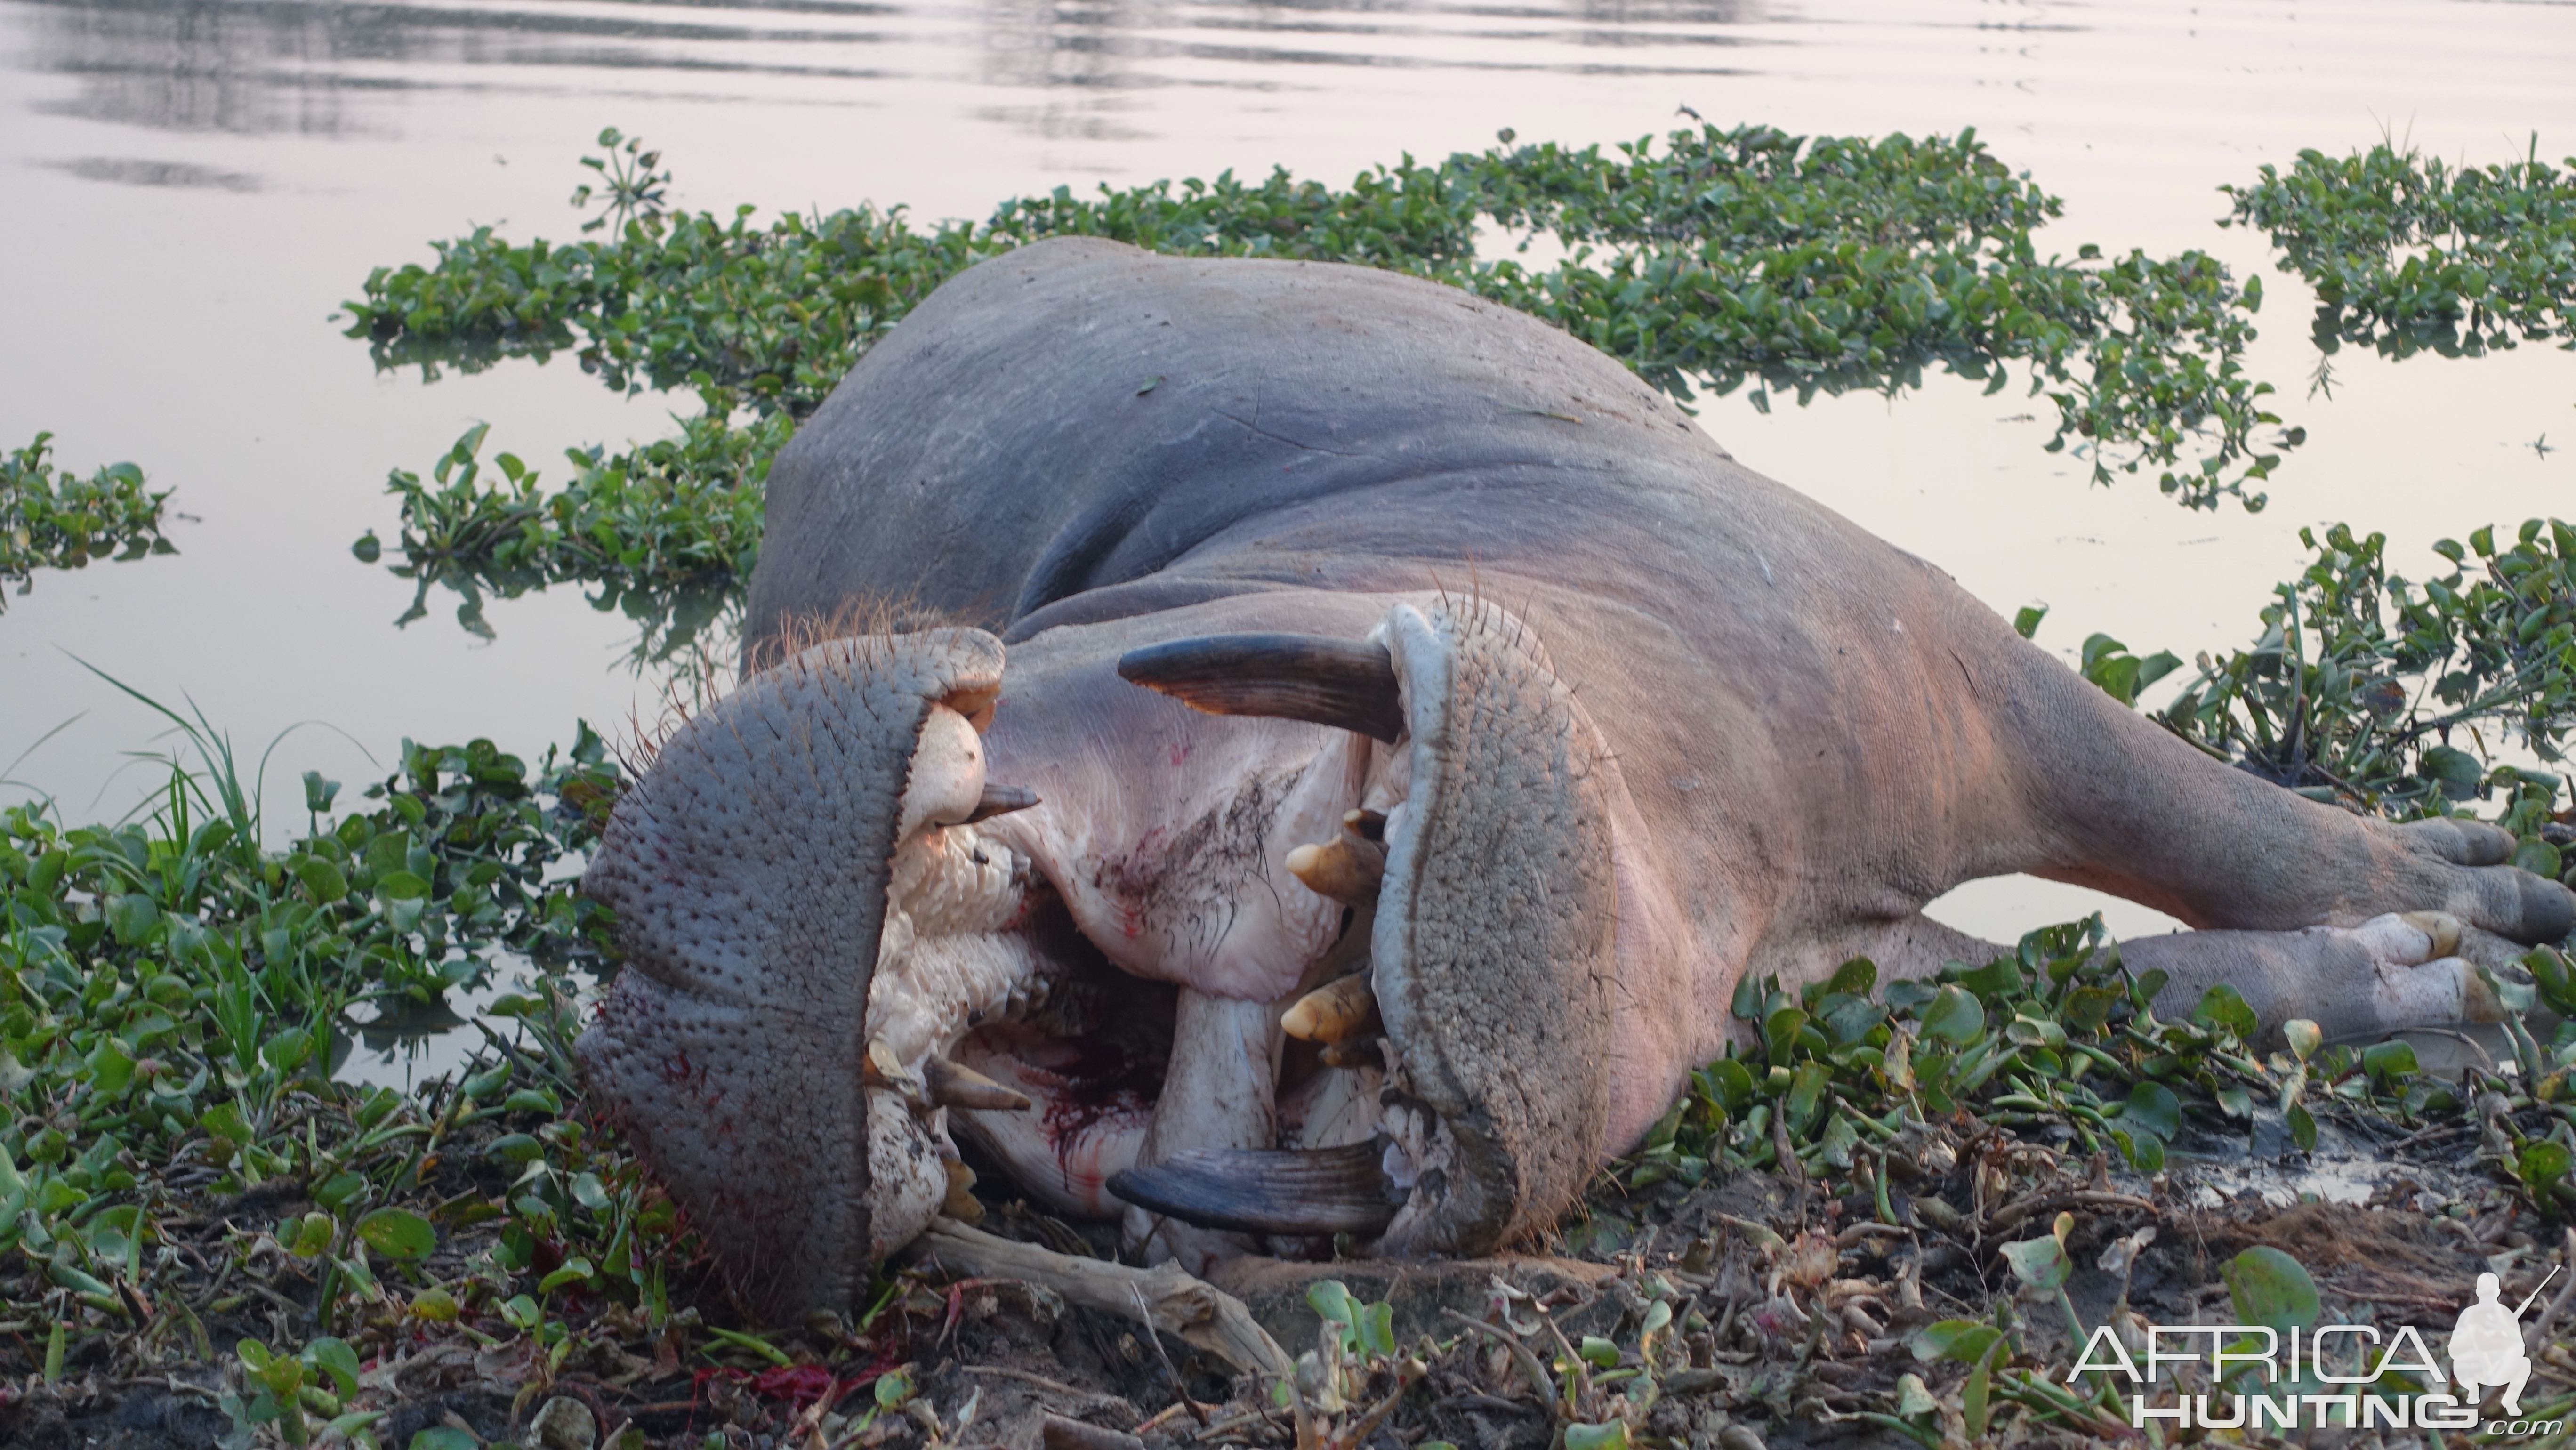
(136, 171)
(261, 67)
(685, 636)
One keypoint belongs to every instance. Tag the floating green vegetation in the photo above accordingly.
(2407, 699)
(1715, 259)
(2409, 253)
(666, 529)
(52, 518)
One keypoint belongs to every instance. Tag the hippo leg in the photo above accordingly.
(2120, 804)
(2388, 974)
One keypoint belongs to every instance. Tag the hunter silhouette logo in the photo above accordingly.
(2486, 1345)
(2352, 1376)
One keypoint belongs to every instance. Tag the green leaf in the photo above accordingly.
(224, 1120)
(1728, 1081)
(2040, 1263)
(517, 1147)
(442, 1437)
(2088, 1009)
(131, 919)
(2221, 1008)
(1332, 1302)
(2270, 1288)
(322, 877)
(2539, 858)
(2026, 619)
(2154, 1107)
(402, 886)
(1963, 1340)
(2303, 1127)
(1376, 1328)
(2304, 1037)
(398, 1234)
(1598, 1352)
(1856, 976)
(337, 1360)
(2542, 1165)
(313, 1234)
(1955, 1016)
(2387, 1061)
(2451, 766)
(1612, 1435)
(1780, 1034)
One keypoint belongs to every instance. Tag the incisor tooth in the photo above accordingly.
(883, 1069)
(1333, 1012)
(1348, 869)
(954, 1085)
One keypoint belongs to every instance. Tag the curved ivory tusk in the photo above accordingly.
(1346, 683)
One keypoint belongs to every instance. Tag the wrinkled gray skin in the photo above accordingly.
(1664, 722)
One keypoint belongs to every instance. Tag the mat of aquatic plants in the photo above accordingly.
(52, 518)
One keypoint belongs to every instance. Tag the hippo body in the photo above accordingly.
(1605, 720)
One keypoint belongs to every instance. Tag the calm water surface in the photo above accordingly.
(189, 190)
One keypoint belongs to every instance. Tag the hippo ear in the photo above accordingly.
(748, 873)
(1494, 943)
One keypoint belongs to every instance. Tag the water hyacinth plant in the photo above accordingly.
(51, 518)
(1717, 258)
(2409, 253)
(2408, 698)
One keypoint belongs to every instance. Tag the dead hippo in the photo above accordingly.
(1309, 629)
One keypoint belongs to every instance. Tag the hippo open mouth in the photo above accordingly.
(1267, 895)
(1271, 1019)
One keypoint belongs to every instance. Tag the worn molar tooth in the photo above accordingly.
(1001, 800)
(1349, 869)
(954, 1085)
(1259, 1190)
(1334, 1012)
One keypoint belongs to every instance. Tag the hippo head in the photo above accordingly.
(845, 943)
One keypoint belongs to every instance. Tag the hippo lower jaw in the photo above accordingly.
(798, 1092)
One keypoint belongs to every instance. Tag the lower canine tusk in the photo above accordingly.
(952, 1085)
(1334, 1012)
(1304, 1191)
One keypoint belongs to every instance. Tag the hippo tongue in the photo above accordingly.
(748, 873)
(1493, 946)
